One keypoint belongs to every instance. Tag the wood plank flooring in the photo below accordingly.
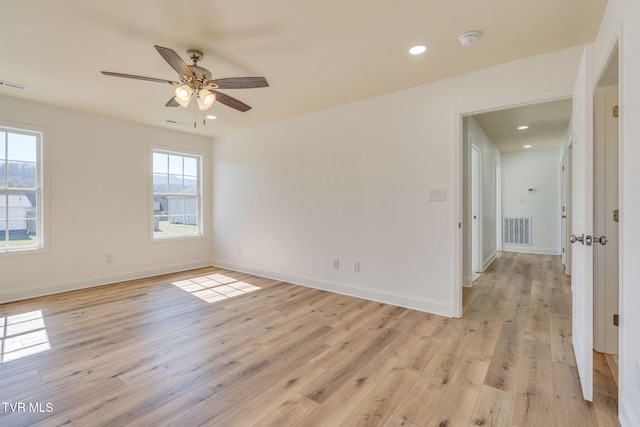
(219, 348)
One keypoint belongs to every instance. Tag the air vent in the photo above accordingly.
(174, 122)
(10, 85)
(516, 230)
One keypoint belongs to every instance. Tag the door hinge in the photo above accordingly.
(562, 250)
(616, 320)
(615, 111)
(616, 215)
(459, 226)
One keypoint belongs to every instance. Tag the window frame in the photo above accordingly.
(198, 195)
(40, 190)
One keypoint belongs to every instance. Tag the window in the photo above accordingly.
(176, 195)
(20, 190)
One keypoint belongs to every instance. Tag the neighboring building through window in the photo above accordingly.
(20, 190)
(176, 194)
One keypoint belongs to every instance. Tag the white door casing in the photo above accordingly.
(606, 201)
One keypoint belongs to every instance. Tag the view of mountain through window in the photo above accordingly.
(20, 190)
(176, 195)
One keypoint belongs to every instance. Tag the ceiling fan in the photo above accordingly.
(196, 81)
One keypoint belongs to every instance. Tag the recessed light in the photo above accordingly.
(418, 49)
(211, 117)
(523, 127)
(526, 146)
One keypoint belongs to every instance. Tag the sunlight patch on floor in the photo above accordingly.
(22, 335)
(215, 287)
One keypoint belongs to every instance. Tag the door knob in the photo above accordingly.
(602, 240)
(573, 238)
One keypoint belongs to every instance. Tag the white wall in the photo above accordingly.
(490, 155)
(352, 183)
(98, 192)
(622, 21)
(540, 171)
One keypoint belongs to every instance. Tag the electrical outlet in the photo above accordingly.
(356, 267)
(336, 264)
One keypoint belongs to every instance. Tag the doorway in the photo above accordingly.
(493, 184)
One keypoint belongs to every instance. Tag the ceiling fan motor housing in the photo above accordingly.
(195, 55)
(201, 74)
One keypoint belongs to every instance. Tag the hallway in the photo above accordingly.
(523, 304)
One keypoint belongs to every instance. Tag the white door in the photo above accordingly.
(563, 211)
(582, 223)
(476, 208)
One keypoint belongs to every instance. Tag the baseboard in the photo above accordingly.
(56, 288)
(487, 262)
(429, 306)
(626, 416)
(530, 250)
(467, 281)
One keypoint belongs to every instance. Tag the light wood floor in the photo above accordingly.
(154, 352)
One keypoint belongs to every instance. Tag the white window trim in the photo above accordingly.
(42, 209)
(201, 223)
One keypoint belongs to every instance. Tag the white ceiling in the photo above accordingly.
(315, 54)
(547, 123)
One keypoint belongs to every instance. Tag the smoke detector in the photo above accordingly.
(469, 38)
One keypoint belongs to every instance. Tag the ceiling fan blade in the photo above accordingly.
(131, 76)
(172, 102)
(230, 101)
(238, 82)
(174, 60)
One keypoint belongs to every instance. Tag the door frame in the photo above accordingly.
(606, 281)
(458, 203)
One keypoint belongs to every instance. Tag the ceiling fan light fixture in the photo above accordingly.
(183, 95)
(195, 79)
(205, 99)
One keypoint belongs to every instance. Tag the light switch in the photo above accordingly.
(437, 195)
